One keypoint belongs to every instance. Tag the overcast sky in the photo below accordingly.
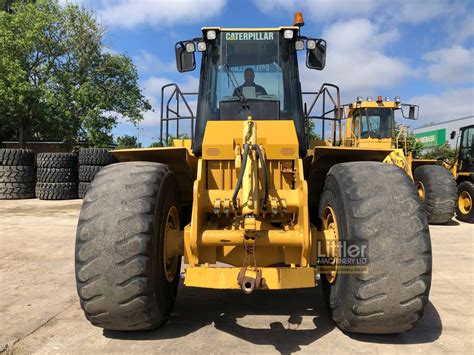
(420, 50)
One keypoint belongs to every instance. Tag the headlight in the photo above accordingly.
(369, 98)
(310, 44)
(397, 99)
(288, 34)
(202, 46)
(299, 45)
(190, 47)
(211, 35)
(359, 98)
(387, 98)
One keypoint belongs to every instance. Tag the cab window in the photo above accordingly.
(376, 123)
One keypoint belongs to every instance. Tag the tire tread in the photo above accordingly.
(120, 295)
(382, 208)
(440, 192)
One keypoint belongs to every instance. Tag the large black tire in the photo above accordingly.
(56, 160)
(82, 188)
(15, 190)
(57, 175)
(15, 157)
(120, 271)
(96, 156)
(88, 172)
(377, 205)
(17, 174)
(56, 191)
(439, 190)
(465, 211)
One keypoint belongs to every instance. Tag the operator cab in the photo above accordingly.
(250, 72)
(376, 119)
(466, 149)
(374, 123)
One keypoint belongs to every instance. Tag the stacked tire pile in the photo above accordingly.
(17, 174)
(56, 176)
(91, 160)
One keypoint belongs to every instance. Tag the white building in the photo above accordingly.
(437, 134)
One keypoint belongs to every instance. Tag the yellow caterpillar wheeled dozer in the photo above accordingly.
(248, 204)
(463, 171)
(370, 126)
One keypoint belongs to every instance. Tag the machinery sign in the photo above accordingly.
(249, 36)
(432, 138)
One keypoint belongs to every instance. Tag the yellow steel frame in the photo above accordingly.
(226, 277)
(213, 238)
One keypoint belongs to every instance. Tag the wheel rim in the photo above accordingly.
(464, 202)
(331, 243)
(421, 190)
(170, 262)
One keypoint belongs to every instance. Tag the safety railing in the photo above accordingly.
(326, 105)
(173, 102)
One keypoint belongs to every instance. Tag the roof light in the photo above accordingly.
(299, 45)
(369, 98)
(359, 98)
(288, 34)
(190, 47)
(310, 44)
(211, 35)
(397, 99)
(387, 98)
(298, 20)
(202, 46)
(379, 98)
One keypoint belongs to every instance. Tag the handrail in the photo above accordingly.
(336, 111)
(176, 96)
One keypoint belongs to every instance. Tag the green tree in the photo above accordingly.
(443, 152)
(28, 58)
(127, 141)
(156, 144)
(169, 142)
(6, 5)
(414, 146)
(56, 80)
(310, 127)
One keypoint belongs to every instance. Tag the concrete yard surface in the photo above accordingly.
(40, 311)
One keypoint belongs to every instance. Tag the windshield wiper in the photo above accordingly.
(242, 99)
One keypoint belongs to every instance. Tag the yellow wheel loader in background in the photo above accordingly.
(463, 171)
(370, 125)
(248, 204)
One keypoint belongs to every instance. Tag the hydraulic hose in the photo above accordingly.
(266, 181)
(241, 176)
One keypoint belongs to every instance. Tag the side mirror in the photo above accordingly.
(316, 54)
(185, 60)
(453, 134)
(413, 111)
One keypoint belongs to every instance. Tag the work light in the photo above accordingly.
(311, 44)
(288, 34)
(299, 45)
(211, 35)
(190, 47)
(201, 46)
